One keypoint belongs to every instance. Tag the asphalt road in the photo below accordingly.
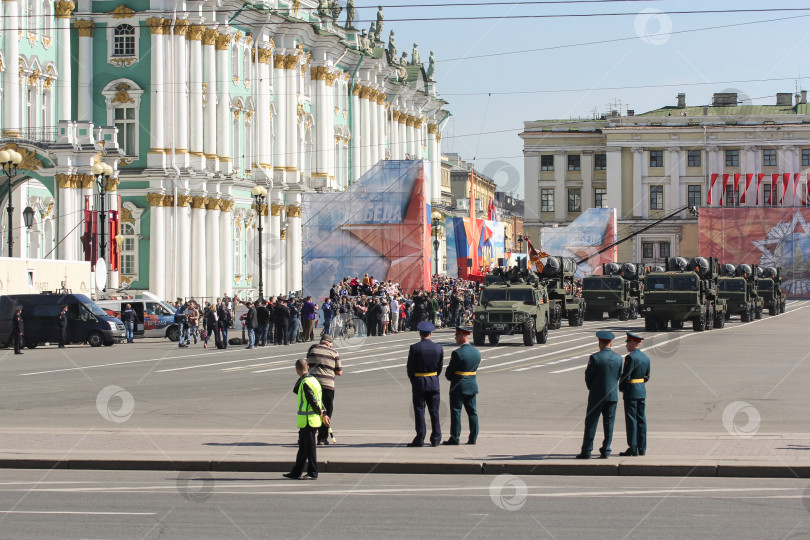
(152, 384)
(93, 504)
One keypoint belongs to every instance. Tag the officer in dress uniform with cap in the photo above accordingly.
(463, 386)
(425, 360)
(601, 378)
(17, 330)
(635, 374)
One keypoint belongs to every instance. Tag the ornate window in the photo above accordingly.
(123, 99)
(124, 40)
(237, 248)
(130, 217)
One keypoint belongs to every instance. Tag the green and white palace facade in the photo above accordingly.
(192, 104)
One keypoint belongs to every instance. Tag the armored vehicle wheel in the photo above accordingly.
(528, 333)
(634, 310)
(581, 320)
(677, 325)
(478, 335)
(624, 314)
(709, 320)
(573, 317)
(494, 339)
(556, 317)
(649, 324)
(783, 306)
(699, 323)
(542, 334)
(758, 312)
(772, 310)
(661, 325)
(720, 320)
(745, 316)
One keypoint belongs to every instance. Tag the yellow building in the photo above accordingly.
(649, 165)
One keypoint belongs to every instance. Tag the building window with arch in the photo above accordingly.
(47, 109)
(237, 250)
(129, 252)
(236, 150)
(123, 100)
(246, 65)
(31, 107)
(235, 63)
(47, 15)
(248, 158)
(124, 40)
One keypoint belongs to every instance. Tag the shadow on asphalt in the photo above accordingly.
(534, 457)
(242, 444)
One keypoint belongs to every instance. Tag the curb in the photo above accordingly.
(368, 467)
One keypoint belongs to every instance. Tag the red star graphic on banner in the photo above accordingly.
(403, 244)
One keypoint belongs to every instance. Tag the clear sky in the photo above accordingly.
(645, 70)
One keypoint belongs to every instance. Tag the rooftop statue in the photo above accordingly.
(392, 48)
(380, 18)
(349, 13)
(431, 66)
(415, 60)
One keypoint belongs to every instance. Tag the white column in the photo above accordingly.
(356, 166)
(195, 92)
(374, 129)
(715, 166)
(285, 281)
(291, 174)
(84, 92)
(65, 213)
(331, 149)
(212, 252)
(381, 123)
(435, 182)
(277, 269)
(223, 104)
(365, 131)
(673, 162)
(640, 203)
(531, 182)
(587, 179)
(614, 180)
(403, 135)
(560, 194)
(323, 139)
(280, 90)
(180, 92)
(411, 136)
(182, 252)
(226, 247)
(157, 245)
(394, 130)
(157, 142)
(199, 263)
(210, 113)
(64, 86)
(294, 243)
(263, 148)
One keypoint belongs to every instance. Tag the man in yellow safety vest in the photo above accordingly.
(311, 414)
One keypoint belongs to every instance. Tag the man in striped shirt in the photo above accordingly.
(324, 365)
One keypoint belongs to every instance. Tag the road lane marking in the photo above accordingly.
(58, 512)
(569, 369)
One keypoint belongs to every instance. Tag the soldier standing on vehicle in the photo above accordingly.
(632, 384)
(601, 378)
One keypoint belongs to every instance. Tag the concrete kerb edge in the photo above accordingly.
(361, 467)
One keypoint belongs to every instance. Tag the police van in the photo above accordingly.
(86, 321)
(153, 316)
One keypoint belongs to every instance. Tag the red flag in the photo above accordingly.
(114, 230)
(535, 256)
(760, 176)
(473, 224)
(736, 184)
(806, 189)
(796, 177)
(723, 189)
(711, 187)
(785, 182)
(748, 178)
(774, 184)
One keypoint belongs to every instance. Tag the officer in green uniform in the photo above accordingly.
(635, 374)
(463, 386)
(432, 308)
(601, 378)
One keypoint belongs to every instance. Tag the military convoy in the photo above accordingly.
(686, 291)
(616, 292)
(738, 286)
(769, 288)
(512, 302)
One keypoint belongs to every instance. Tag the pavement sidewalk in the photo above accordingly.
(668, 454)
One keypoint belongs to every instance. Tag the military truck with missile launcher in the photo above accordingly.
(769, 288)
(687, 290)
(616, 292)
(564, 300)
(512, 302)
(738, 286)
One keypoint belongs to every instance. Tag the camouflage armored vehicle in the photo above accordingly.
(564, 301)
(616, 292)
(687, 290)
(512, 302)
(769, 288)
(738, 286)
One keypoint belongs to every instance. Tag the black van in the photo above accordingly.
(86, 321)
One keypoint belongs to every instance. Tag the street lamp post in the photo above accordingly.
(436, 218)
(102, 172)
(10, 159)
(260, 196)
(520, 248)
